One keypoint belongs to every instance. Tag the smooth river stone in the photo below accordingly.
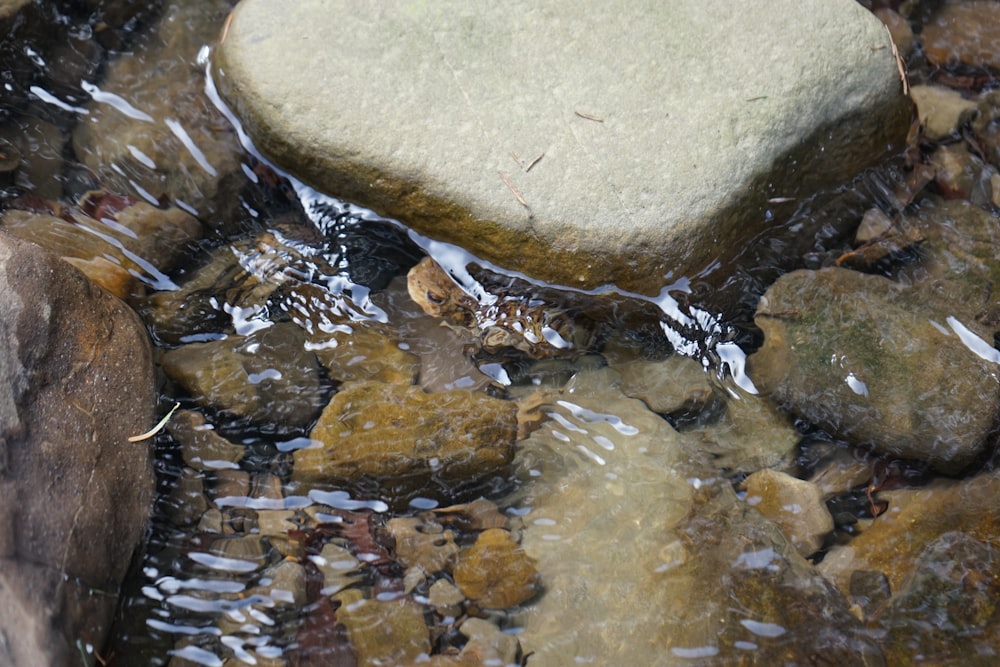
(613, 143)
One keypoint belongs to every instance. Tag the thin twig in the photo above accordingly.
(156, 429)
(225, 28)
(514, 156)
(534, 162)
(900, 65)
(506, 180)
(589, 116)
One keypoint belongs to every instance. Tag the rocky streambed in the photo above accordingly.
(369, 464)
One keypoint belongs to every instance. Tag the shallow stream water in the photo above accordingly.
(624, 486)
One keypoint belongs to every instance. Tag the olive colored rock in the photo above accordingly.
(401, 436)
(267, 376)
(495, 572)
(364, 351)
(201, 447)
(871, 361)
(952, 592)
(582, 146)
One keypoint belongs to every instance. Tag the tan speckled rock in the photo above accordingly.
(496, 572)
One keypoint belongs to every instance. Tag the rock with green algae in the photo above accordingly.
(856, 355)
(267, 376)
(401, 437)
(495, 572)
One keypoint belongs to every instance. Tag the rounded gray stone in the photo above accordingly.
(655, 131)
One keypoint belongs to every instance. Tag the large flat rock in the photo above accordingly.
(662, 128)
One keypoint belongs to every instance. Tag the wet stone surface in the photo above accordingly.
(477, 493)
(593, 167)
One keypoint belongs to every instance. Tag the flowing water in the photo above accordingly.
(622, 497)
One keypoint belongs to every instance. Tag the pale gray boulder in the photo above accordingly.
(581, 144)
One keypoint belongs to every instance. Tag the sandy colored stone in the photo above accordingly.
(384, 632)
(940, 109)
(495, 572)
(796, 506)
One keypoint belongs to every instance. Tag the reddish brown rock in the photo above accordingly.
(77, 382)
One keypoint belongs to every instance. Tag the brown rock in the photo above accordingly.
(77, 381)
(893, 543)
(267, 376)
(495, 572)
(393, 433)
(963, 33)
(139, 240)
(423, 544)
(384, 632)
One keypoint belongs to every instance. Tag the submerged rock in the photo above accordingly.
(268, 376)
(383, 632)
(915, 518)
(871, 361)
(963, 33)
(201, 447)
(940, 110)
(423, 544)
(642, 550)
(159, 135)
(596, 192)
(952, 592)
(405, 440)
(116, 246)
(495, 572)
(796, 506)
(76, 381)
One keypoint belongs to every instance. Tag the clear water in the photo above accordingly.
(646, 552)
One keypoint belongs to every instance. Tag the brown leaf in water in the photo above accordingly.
(529, 415)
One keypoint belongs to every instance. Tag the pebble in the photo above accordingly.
(495, 572)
